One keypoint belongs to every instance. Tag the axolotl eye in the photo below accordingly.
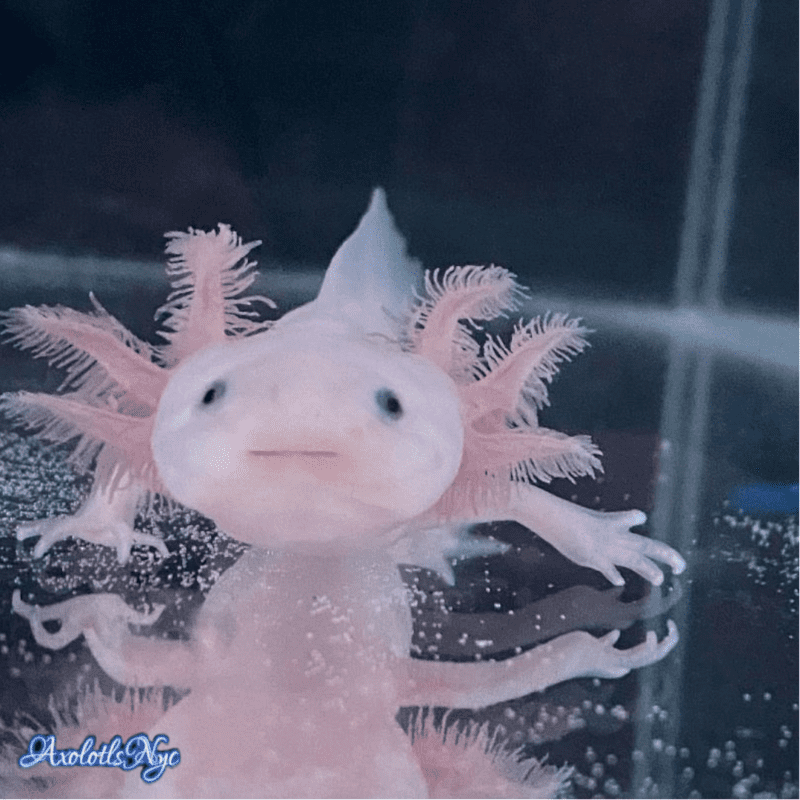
(214, 393)
(388, 404)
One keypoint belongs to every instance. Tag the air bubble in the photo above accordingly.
(619, 712)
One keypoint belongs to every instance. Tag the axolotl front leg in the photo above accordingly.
(106, 518)
(599, 540)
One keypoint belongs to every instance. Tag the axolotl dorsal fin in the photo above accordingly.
(371, 280)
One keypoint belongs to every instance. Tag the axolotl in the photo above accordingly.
(352, 423)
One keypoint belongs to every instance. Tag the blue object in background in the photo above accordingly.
(780, 498)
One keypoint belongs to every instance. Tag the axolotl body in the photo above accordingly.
(321, 442)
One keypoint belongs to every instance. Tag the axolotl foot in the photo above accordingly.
(106, 518)
(116, 534)
(599, 540)
(609, 662)
(615, 543)
(103, 614)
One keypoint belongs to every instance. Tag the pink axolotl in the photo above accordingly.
(351, 424)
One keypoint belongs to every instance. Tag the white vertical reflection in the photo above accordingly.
(699, 279)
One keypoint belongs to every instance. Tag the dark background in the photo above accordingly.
(552, 137)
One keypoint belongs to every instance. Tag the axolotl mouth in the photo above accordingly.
(323, 454)
(324, 465)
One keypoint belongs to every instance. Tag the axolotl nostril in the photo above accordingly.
(359, 420)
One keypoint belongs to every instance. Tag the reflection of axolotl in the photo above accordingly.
(322, 441)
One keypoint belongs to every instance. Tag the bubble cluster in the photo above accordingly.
(768, 547)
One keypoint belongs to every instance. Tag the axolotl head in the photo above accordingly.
(308, 436)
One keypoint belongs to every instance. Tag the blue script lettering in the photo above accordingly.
(138, 751)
